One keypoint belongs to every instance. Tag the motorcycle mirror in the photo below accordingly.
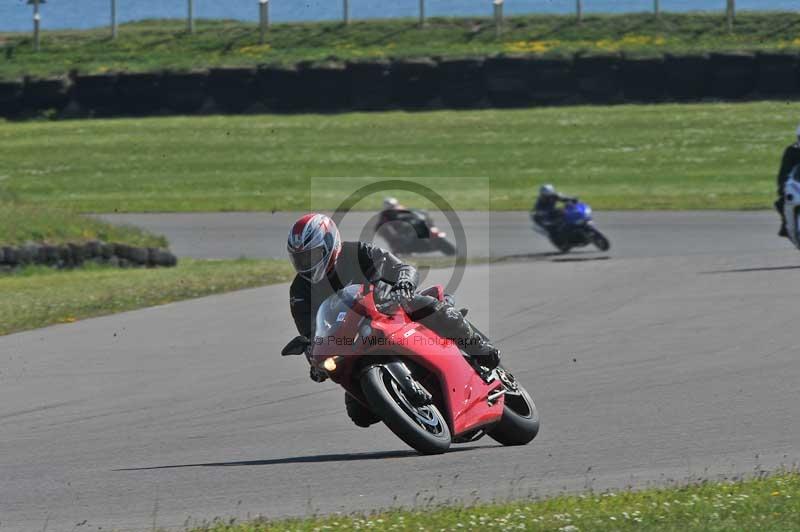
(297, 346)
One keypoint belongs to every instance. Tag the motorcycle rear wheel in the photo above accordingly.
(423, 428)
(520, 422)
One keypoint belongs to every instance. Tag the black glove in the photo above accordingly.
(317, 375)
(402, 291)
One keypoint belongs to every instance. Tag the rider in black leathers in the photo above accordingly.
(345, 263)
(325, 265)
(363, 263)
(546, 212)
(791, 158)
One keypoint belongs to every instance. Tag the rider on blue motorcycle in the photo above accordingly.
(546, 211)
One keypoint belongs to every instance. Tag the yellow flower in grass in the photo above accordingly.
(255, 50)
(534, 47)
(629, 41)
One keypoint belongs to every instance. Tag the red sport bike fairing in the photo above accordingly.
(420, 385)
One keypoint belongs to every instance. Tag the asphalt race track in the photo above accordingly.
(674, 358)
(500, 234)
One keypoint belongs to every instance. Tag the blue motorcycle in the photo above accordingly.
(574, 228)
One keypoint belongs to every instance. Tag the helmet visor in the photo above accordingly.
(305, 260)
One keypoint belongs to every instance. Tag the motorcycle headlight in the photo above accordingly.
(331, 363)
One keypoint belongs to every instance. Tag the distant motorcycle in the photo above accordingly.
(574, 229)
(791, 208)
(412, 231)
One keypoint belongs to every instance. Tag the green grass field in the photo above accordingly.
(700, 156)
(36, 297)
(22, 223)
(152, 45)
(769, 505)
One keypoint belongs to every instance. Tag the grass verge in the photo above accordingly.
(699, 156)
(767, 504)
(22, 223)
(37, 297)
(164, 44)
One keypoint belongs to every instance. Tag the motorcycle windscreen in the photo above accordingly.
(333, 311)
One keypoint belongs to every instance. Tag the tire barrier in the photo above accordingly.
(733, 76)
(44, 94)
(598, 78)
(74, 255)
(777, 74)
(687, 77)
(552, 82)
(423, 83)
(323, 87)
(97, 94)
(643, 80)
(141, 93)
(370, 85)
(507, 81)
(233, 89)
(415, 83)
(184, 92)
(463, 85)
(11, 98)
(279, 89)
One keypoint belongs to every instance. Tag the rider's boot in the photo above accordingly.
(358, 413)
(480, 349)
(485, 354)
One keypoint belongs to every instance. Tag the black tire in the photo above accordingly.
(407, 422)
(445, 247)
(560, 239)
(562, 245)
(600, 241)
(520, 422)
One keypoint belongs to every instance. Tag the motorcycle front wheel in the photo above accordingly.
(445, 247)
(520, 422)
(422, 427)
(600, 240)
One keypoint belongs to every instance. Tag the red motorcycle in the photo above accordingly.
(419, 384)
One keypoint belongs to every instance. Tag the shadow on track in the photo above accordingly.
(754, 270)
(313, 459)
(553, 256)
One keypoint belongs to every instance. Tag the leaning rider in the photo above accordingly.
(791, 158)
(325, 264)
(546, 212)
(392, 211)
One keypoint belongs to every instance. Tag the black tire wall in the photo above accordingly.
(411, 84)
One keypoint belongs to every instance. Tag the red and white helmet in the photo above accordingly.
(314, 246)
